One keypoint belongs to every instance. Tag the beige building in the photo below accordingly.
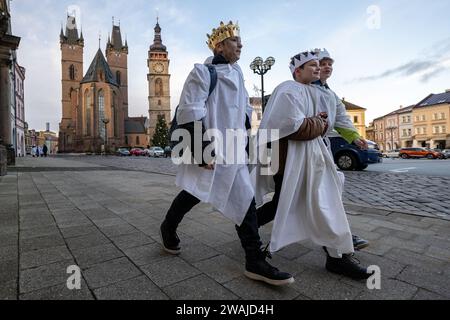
(136, 132)
(158, 83)
(405, 119)
(431, 119)
(358, 116)
(379, 133)
(257, 113)
(370, 132)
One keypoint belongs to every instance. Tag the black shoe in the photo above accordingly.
(359, 243)
(261, 270)
(347, 266)
(170, 240)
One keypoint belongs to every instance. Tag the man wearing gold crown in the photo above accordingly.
(308, 188)
(226, 185)
(343, 124)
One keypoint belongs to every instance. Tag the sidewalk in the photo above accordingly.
(106, 221)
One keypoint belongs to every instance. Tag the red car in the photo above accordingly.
(137, 152)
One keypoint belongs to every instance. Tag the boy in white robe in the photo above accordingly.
(308, 188)
(224, 184)
(343, 124)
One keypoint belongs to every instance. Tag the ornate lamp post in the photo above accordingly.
(106, 121)
(261, 67)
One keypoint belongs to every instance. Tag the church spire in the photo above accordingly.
(115, 42)
(157, 41)
(71, 34)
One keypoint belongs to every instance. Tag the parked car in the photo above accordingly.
(392, 154)
(137, 152)
(446, 153)
(349, 157)
(123, 152)
(407, 153)
(156, 152)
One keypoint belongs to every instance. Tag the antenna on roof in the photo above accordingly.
(99, 39)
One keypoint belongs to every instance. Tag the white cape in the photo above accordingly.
(228, 188)
(310, 205)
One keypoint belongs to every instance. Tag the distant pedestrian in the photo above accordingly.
(45, 150)
(33, 151)
(38, 151)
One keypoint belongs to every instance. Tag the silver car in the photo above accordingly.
(156, 152)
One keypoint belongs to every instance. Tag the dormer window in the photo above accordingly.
(118, 78)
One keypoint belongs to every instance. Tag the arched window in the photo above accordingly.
(159, 88)
(115, 115)
(118, 78)
(137, 141)
(88, 110)
(101, 114)
(72, 72)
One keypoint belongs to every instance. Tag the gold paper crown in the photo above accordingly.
(221, 33)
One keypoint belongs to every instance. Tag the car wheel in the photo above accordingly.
(430, 156)
(346, 161)
(404, 156)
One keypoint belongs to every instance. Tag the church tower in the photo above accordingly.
(117, 57)
(72, 46)
(158, 82)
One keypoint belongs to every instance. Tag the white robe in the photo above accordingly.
(228, 188)
(310, 205)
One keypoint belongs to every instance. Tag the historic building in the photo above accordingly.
(432, 121)
(19, 93)
(94, 106)
(158, 83)
(405, 127)
(358, 116)
(8, 44)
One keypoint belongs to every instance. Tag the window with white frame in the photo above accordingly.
(443, 129)
(436, 129)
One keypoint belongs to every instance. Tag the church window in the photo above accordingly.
(88, 108)
(72, 72)
(118, 78)
(159, 87)
(101, 114)
(115, 115)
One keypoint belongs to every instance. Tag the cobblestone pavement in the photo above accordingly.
(56, 213)
(405, 193)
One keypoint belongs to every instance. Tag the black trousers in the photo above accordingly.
(267, 212)
(247, 232)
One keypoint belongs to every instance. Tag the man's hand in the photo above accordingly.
(361, 143)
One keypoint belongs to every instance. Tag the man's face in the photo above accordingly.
(230, 49)
(326, 69)
(309, 73)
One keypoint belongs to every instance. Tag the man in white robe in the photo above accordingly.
(308, 188)
(343, 124)
(224, 182)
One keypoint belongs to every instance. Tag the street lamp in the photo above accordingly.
(106, 121)
(261, 67)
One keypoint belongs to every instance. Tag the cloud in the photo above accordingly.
(435, 62)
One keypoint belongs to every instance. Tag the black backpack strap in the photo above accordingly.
(213, 73)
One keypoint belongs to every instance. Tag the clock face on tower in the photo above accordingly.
(158, 67)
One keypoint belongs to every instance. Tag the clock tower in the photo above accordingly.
(158, 83)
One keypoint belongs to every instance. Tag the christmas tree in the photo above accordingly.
(161, 136)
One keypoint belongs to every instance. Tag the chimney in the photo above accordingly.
(47, 125)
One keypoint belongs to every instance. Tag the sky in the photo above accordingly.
(387, 53)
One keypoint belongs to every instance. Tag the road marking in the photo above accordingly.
(403, 170)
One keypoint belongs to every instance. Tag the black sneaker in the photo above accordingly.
(170, 240)
(261, 270)
(347, 266)
(359, 243)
